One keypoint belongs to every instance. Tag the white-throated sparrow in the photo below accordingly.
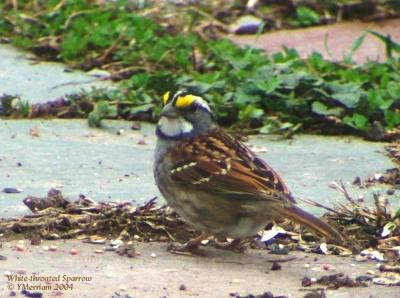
(213, 181)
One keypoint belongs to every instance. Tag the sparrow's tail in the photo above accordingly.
(297, 215)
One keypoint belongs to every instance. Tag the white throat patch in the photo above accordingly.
(174, 127)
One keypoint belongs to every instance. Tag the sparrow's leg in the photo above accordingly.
(191, 247)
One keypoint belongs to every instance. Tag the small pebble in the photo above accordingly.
(136, 237)
(153, 255)
(21, 242)
(123, 288)
(313, 279)
(276, 266)
(328, 267)
(99, 251)
(21, 271)
(370, 272)
(35, 240)
(307, 265)
(306, 281)
(20, 247)
(73, 251)
(235, 280)
(136, 125)
(357, 181)
(53, 248)
(142, 142)
(182, 288)
(12, 190)
(45, 247)
(390, 191)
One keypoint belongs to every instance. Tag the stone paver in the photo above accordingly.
(333, 41)
(37, 82)
(157, 273)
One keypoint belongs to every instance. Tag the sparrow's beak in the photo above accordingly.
(169, 111)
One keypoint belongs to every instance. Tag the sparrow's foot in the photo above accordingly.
(186, 250)
(189, 248)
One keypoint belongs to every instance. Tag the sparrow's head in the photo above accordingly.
(183, 116)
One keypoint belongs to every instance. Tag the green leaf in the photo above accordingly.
(390, 45)
(355, 46)
(140, 109)
(268, 85)
(94, 119)
(305, 16)
(321, 109)
(266, 129)
(393, 88)
(392, 118)
(250, 112)
(347, 94)
(196, 87)
(102, 108)
(244, 98)
(72, 46)
(356, 121)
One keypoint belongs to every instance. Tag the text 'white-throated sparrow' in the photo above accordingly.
(213, 181)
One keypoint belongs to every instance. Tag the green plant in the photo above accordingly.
(101, 110)
(391, 46)
(246, 88)
(305, 16)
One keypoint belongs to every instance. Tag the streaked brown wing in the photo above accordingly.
(220, 164)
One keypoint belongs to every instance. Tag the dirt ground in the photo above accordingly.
(158, 273)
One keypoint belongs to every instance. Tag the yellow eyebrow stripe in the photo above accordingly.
(184, 101)
(166, 97)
